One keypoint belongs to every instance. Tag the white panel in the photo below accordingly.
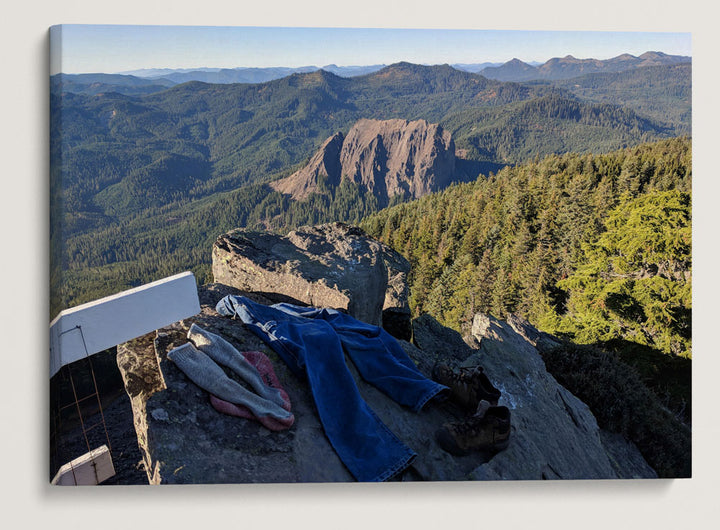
(121, 317)
(89, 469)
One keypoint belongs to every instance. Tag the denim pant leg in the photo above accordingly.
(383, 363)
(365, 445)
(379, 358)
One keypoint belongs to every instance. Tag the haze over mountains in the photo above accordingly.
(154, 79)
(568, 66)
(247, 74)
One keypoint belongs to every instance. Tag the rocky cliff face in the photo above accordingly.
(388, 158)
(185, 440)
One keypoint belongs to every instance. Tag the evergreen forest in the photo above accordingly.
(595, 247)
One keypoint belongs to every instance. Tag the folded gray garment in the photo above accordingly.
(222, 352)
(205, 373)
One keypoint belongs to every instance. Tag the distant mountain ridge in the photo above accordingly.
(93, 84)
(248, 74)
(264, 74)
(568, 67)
(146, 81)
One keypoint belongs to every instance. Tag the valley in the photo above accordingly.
(142, 184)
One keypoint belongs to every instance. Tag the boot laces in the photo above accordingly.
(467, 427)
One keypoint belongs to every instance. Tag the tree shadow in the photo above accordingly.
(469, 170)
(668, 376)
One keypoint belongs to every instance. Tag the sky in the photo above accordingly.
(122, 48)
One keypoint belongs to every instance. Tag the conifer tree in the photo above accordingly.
(635, 280)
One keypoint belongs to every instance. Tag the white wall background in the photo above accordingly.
(27, 497)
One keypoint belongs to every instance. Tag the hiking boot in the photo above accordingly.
(468, 386)
(490, 433)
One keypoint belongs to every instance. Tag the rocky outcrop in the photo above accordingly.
(184, 440)
(429, 335)
(385, 157)
(325, 164)
(554, 434)
(333, 265)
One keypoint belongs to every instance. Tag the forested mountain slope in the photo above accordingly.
(123, 154)
(592, 248)
(141, 184)
(114, 146)
(662, 93)
(553, 123)
(596, 247)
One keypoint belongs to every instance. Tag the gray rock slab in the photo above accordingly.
(431, 336)
(333, 265)
(554, 434)
(185, 441)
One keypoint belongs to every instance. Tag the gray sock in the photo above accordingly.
(203, 371)
(222, 352)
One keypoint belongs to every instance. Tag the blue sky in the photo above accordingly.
(118, 48)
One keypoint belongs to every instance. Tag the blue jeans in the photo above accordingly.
(311, 341)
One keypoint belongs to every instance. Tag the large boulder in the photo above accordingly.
(396, 317)
(332, 265)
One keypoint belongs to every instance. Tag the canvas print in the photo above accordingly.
(301, 255)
